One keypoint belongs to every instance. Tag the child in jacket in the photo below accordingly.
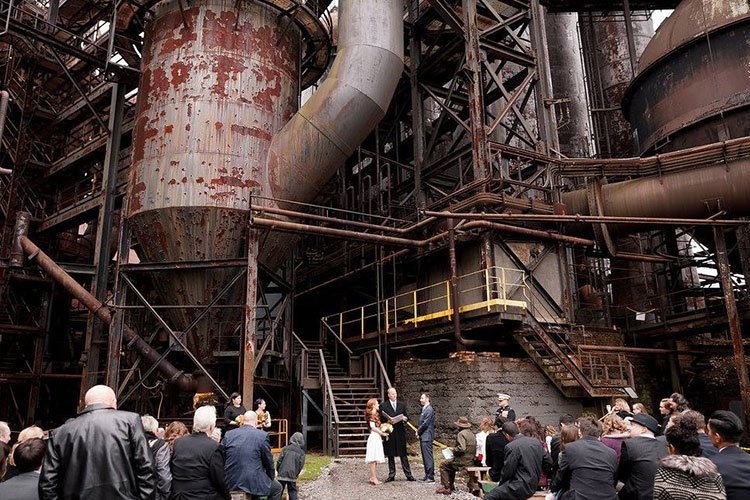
(290, 464)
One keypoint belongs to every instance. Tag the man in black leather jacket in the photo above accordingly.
(101, 454)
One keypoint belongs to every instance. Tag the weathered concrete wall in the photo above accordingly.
(470, 388)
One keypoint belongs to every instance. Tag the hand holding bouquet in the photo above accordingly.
(387, 429)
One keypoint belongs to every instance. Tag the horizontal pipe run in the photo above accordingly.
(638, 350)
(334, 220)
(594, 219)
(184, 382)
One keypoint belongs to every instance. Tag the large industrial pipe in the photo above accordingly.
(184, 381)
(691, 194)
(4, 97)
(355, 96)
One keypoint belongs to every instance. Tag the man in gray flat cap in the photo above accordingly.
(504, 410)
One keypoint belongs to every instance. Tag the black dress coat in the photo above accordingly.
(734, 467)
(525, 459)
(588, 470)
(495, 454)
(395, 445)
(637, 469)
(198, 469)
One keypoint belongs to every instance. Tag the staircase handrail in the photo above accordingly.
(302, 360)
(373, 367)
(329, 403)
(338, 345)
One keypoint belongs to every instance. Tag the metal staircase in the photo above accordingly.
(337, 393)
(575, 372)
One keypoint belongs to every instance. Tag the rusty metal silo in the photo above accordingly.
(217, 83)
(220, 81)
(692, 85)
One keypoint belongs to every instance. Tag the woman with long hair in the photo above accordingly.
(614, 431)
(486, 428)
(173, 431)
(234, 409)
(667, 408)
(684, 473)
(374, 454)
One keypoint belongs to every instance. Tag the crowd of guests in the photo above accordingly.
(105, 453)
(626, 454)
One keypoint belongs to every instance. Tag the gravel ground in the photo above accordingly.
(346, 479)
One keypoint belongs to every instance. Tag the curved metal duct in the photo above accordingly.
(336, 119)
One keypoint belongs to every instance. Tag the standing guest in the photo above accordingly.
(524, 461)
(503, 408)
(395, 446)
(233, 410)
(667, 408)
(639, 408)
(161, 454)
(102, 453)
(198, 461)
(682, 404)
(463, 455)
(531, 427)
(173, 431)
(374, 453)
(264, 416)
(27, 433)
(249, 461)
(684, 474)
(485, 429)
(725, 431)
(290, 464)
(495, 450)
(587, 467)
(4, 446)
(426, 434)
(638, 459)
(614, 431)
(28, 457)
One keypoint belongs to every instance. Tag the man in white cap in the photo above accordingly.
(504, 410)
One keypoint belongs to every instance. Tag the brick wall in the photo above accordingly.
(469, 387)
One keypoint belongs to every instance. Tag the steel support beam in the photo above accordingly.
(247, 361)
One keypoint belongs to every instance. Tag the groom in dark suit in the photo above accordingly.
(396, 443)
(426, 434)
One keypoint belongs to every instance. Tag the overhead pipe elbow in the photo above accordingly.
(355, 96)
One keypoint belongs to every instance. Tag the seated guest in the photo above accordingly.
(524, 461)
(638, 459)
(621, 408)
(28, 433)
(249, 462)
(485, 429)
(568, 434)
(684, 473)
(667, 408)
(554, 447)
(614, 431)
(28, 457)
(639, 408)
(198, 461)
(495, 450)
(725, 431)
(699, 421)
(463, 456)
(588, 468)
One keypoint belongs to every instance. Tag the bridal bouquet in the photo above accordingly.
(387, 428)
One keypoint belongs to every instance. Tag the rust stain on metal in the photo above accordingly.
(225, 68)
(200, 180)
(228, 180)
(251, 131)
(180, 73)
(184, 36)
(168, 129)
(219, 125)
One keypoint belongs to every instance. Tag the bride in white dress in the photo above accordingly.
(374, 454)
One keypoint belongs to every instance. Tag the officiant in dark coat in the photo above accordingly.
(395, 446)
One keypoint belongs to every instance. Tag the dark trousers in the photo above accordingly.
(428, 460)
(404, 465)
(292, 488)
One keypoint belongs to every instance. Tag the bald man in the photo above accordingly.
(102, 453)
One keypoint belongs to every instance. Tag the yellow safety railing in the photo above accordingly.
(483, 289)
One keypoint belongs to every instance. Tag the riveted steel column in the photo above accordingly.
(722, 261)
(475, 89)
(247, 361)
